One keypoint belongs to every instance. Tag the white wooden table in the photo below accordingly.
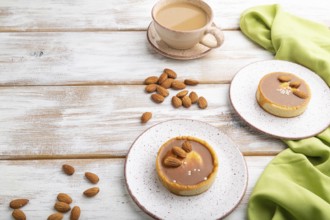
(71, 77)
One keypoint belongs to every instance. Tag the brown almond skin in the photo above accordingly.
(176, 102)
(170, 73)
(186, 146)
(157, 98)
(295, 84)
(75, 213)
(162, 78)
(178, 151)
(55, 216)
(178, 85)
(150, 88)
(300, 94)
(191, 82)
(63, 197)
(18, 203)
(18, 215)
(92, 177)
(68, 169)
(162, 91)
(92, 192)
(186, 102)
(151, 80)
(171, 161)
(202, 103)
(167, 83)
(284, 78)
(182, 93)
(145, 117)
(62, 207)
(193, 97)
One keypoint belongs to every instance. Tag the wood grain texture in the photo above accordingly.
(76, 121)
(112, 58)
(98, 15)
(112, 202)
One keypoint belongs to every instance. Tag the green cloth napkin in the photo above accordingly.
(296, 183)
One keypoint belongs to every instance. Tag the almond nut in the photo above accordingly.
(62, 207)
(151, 80)
(202, 103)
(182, 93)
(176, 102)
(92, 191)
(75, 213)
(178, 151)
(193, 97)
(151, 88)
(178, 85)
(167, 83)
(18, 203)
(284, 78)
(171, 161)
(300, 94)
(55, 216)
(92, 177)
(162, 78)
(186, 102)
(63, 197)
(162, 91)
(157, 98)
(68, 169)
(18, 215)
(146, 117)
(295, 84)
(191, 82)
(170, 73)
(187, 146)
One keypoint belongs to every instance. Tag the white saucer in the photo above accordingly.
(315, 119)
(153, 198)
(161, 47)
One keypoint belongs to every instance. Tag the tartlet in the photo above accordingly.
(186, 165)
(283, 94)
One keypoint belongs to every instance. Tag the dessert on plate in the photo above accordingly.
(283, 94)
(186, 165)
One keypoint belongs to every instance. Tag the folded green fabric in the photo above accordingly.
(296, 183)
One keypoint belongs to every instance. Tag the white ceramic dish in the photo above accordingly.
(153, 198)
(315, 119)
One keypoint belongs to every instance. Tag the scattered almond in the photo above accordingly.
(92, 191)
(187, 146)
(151, 80)
(295, 84)
(193, 97)
(191, 82)
(162, 78)
(176, 102)
(92, 177)
(172, 162)
(178, 85)
(63, 197)
(202, 103)
(167, 83)
(146, 117)
(75, 213)
(62, 207)
(18, 203)
(170, 73)
(178, 151)
(186, 102)
(18, 215)
(68, 169)
(157, 98)
(300, 94)
(151, 88)
(162, 91)
(284, 78)
(182, 93)
(55, 216)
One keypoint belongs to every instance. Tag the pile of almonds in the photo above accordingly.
(16, 205)
(168, 79)
(179, 154)
(294, 85)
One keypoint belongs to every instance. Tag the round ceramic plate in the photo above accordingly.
(161, 47)
(153, 198)
(243, 98)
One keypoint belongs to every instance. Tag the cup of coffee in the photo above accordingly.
(182, 24)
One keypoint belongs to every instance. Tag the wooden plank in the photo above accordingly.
(99, 15)
(104, 121)
(41, 180)
(112, 58)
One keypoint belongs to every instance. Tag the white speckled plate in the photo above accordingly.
(315, 119)
(153, 198)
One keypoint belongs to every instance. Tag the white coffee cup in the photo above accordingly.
(185, 37)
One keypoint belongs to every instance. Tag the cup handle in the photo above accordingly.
(217, 34)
